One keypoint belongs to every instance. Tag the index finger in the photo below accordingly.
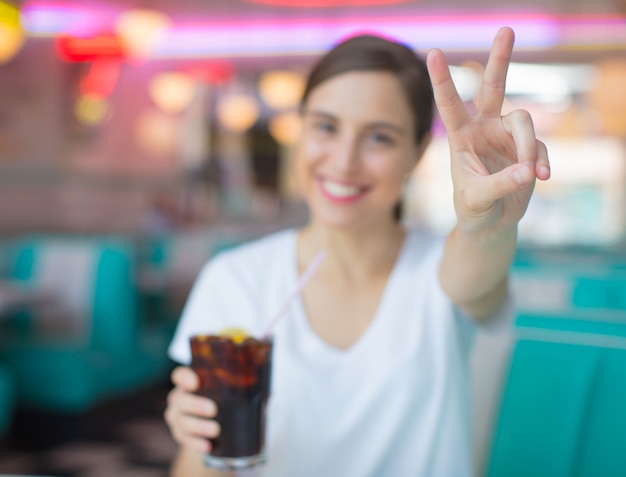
(185, 378)
(450, 105)
(492, 90)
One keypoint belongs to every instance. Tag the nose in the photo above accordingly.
(344, 154)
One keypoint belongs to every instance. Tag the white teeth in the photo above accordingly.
(340, 190)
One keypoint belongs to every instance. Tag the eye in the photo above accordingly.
(381, 138)
(326, 127)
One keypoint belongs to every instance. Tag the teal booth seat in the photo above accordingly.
(582, 278)
(7, 394)
(3, 259)
(7, 400)
(91, 342)
(563, 409)
(601, 291)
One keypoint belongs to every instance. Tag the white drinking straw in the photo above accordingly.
(304, 279)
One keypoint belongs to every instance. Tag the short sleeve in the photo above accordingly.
(240, 288)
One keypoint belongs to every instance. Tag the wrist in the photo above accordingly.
(488, 237)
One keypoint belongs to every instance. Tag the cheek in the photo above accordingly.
(302, 167)
(305, 156)
(391, 170)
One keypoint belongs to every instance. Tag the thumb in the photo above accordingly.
(493, 187)
(185, 378)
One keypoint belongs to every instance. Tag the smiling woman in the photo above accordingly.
(370, 373)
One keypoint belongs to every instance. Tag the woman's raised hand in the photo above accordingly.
(188, 415)
(495, 158)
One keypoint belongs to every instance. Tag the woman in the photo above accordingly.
(370, 366)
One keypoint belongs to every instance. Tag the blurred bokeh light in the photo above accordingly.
(172, 92)
(237, 112)
(281, 89)
(11, 32)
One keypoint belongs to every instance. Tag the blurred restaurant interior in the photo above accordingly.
(140, 138)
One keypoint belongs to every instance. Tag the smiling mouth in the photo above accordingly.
(341, 192)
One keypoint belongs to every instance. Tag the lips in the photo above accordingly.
(340, 192)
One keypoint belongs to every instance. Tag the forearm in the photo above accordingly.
(474, 270)
(188, 463)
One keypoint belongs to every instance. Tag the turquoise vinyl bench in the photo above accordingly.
(570, 278)
(7, 400)
(563, 408)
(7, 392)
(95, 345)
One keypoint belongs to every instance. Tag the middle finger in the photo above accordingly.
(192, 403)
(492, 90)
(200, 427)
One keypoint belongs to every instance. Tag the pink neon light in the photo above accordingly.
(313, 35)
(325, 3)
(52, 18)
(250, 37)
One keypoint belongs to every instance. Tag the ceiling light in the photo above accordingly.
(172, 92)
(157, 133)
(141, 30)
(281, 89)
(285, 128)
(237, 112)
(11, 32)
(92, 110)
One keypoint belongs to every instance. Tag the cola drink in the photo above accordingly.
(236, 375)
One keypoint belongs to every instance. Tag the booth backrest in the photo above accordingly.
(92, 280)
(562, 411)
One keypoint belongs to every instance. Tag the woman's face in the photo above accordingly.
(356, 149)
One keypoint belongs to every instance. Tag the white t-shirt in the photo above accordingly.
(396, 403)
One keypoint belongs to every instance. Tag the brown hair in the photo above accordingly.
(373, 53)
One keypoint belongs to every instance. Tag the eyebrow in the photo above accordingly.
(377, 124)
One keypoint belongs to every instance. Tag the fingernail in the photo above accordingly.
(210, 409)
(213, 429)
(522, 175)
(193, 381)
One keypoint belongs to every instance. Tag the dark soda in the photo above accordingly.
(236, 375)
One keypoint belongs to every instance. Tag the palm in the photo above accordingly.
(495, 158)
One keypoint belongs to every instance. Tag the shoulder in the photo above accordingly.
(256, 255)
(247, 262)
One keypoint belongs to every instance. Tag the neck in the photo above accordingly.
(354, 254)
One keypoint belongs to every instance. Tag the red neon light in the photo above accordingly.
(109, 47)
(326, 3)
(101, 78)
(214, 72)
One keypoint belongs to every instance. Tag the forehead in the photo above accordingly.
(363, 95)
